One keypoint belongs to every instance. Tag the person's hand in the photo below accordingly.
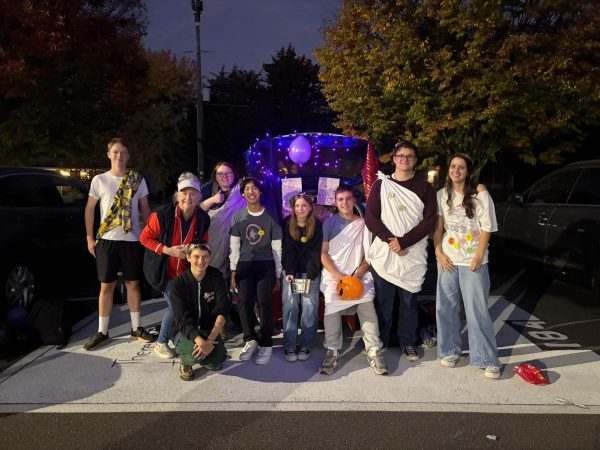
(337, 276)
(91, 245)
(394, 245)
(277, 285)
(289, 278)
(217, 199)
(445, 262)
(177, 251)
(476, 262)
(233, 282)
(204, 349)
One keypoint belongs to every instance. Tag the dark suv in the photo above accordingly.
(556, 223)
(42, 242)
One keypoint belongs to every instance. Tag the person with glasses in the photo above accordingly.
(200, 305)
(401, 213)
(223, 180)
(255, 269)
(302, 239)
(466, 219)
(168, 231)
(221, 200)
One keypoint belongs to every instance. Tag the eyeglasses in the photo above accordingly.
(224, 174)
(405, 157)
(194, 245)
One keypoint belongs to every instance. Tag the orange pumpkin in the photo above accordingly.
(350, 288)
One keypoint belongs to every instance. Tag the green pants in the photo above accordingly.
(214, 361)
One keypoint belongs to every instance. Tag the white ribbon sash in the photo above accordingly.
(401, 211)
(346, 250)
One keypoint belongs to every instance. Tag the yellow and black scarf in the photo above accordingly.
(119, 213)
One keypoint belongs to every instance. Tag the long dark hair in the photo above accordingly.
(310, 219)
(470, 186)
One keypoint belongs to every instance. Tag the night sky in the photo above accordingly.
(241, 32)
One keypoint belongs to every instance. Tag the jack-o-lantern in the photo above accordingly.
(350, 288)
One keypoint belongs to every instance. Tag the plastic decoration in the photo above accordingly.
(531, 374)
(350, 288)
(369, 170)
(300, 150)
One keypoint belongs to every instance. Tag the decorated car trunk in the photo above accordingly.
(315, 163)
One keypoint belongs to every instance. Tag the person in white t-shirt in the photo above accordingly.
(121, 193)
(466, 219)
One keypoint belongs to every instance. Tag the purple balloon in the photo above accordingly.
(300, 150)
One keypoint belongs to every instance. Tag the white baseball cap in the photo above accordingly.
(188, 183)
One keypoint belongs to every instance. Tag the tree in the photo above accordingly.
(480, 77)
(234, 116)
(68, 72)
(244, 105)
(294, 98)
(159, 125)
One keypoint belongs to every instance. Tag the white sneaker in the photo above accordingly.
(248, 350)
(163, 351)
(492, 372)
(264, 355)
(449, 360)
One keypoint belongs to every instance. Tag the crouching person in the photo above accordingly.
(200, 304)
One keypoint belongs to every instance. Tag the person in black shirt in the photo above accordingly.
(200, 305)
(301, 258)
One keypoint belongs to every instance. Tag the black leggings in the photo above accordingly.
(256, 280)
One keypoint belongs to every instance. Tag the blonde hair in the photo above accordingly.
(310, 219)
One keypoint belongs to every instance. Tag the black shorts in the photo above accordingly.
(115, 256)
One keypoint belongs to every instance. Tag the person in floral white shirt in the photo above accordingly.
(466, 219)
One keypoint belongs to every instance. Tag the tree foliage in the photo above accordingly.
(68, 72)
(244, 105)
(479, 76)
(294, 97)
(158, 129)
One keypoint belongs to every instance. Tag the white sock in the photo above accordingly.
(103, 324)
(335, 350)
(135, 320)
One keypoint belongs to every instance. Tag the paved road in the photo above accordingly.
(299, 430)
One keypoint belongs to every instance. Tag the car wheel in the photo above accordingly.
(19, 287)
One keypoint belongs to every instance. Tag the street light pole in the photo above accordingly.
(197, 8)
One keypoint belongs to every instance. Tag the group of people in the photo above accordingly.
(220, 233)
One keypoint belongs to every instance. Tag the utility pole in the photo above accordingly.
(197, 7)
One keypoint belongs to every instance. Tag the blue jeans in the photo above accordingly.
(408, 313)
(310, 308)
(163, 336)
(474, 288)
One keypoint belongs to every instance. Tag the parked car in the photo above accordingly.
(42, 242)
(555, 224)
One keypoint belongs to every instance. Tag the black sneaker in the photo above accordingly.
(95, 341)
(411, 353)
(304, 353)
(186, 373)
(142, 335)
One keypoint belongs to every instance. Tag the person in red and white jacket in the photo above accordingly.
(168, 231)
